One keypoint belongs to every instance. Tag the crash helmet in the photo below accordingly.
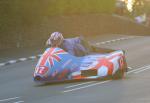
(55, 39)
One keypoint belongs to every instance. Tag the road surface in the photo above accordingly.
(17, 86)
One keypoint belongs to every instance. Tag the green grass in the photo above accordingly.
(81, 6)
(18, 17)
(37, 9)
(26, 12)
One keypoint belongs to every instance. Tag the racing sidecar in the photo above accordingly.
(58, 65)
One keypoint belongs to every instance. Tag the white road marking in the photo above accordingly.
(90, 85)
(40, 55)
(32, 57)
(2, 64)
(102, 42)
(130, 68)
(115, 40)
(80, 84)
(8, 99)
(12, 61)
(134, 70)
(23, 59)
(141, 70)
(19, 102)
(118, 39)
(108, 41)
(97, 83)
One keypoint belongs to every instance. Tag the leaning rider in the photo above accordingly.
(75, 46)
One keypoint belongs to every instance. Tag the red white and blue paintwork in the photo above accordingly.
(58, 65)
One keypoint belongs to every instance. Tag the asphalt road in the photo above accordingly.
(17, 86)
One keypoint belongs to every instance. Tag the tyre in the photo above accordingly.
(119, 74)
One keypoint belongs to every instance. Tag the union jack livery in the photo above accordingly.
(50, 56)
(58, 65)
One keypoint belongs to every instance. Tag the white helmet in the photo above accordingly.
(55, 39)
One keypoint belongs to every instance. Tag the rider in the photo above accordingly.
(75, 46)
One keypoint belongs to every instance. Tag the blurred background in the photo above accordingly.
(28, 23)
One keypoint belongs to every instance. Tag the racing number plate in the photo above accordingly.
(87, 73)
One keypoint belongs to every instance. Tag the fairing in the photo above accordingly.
(58, 65)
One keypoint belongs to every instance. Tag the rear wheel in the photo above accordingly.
(123, 68)
(119, 74)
